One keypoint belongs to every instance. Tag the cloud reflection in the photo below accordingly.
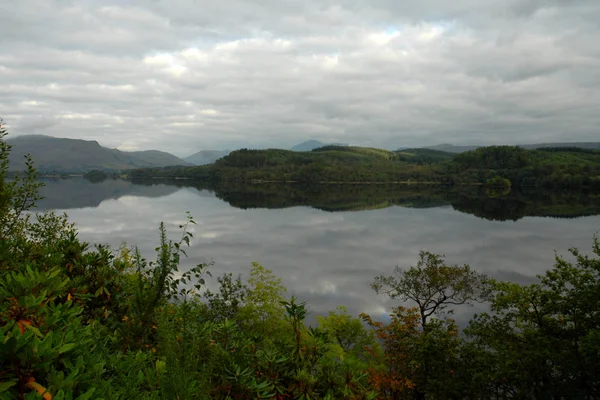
(329, 259)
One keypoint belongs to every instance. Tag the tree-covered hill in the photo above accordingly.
(550, 167)
(328, 164)
(313, 144)
(505, 165)
(535, 146)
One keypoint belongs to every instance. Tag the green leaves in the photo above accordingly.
(66, 347)
(542, 339)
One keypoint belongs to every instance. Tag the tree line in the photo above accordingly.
(495, 166)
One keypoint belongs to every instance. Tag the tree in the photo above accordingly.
(543, 339)
(263, 305)
(226, 303)
(416, 362)
(433, 285)
(347, 332)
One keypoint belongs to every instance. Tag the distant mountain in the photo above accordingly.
(61, 155)
(313, 144)
(204, 157)
(450, 148)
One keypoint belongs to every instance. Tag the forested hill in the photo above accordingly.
(462, 148)
(495, 165)
(61, 155)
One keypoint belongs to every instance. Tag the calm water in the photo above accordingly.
(328, 243)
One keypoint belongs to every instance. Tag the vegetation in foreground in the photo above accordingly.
(82, 322)
(494, 166)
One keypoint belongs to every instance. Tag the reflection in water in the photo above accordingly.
(79, 193)
(329, 258)
(496, 205)
(489, 204)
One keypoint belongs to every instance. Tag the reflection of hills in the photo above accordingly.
(328, 198)
(511, 206)
(79, 193)
(517, 205)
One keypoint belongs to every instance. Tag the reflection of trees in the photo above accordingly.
(498, 205)
(539, 203)
(329, 198)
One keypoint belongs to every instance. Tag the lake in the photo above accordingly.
(327, 243)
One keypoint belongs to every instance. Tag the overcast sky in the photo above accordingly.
(185, 75)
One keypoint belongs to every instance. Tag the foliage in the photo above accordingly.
(498, 181)
(349, 334)
(543, 338)
(263, 306)
(17, 194)
(415, 362)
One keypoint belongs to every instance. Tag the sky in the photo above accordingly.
(189, 75)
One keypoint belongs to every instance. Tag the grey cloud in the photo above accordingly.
(186, 75)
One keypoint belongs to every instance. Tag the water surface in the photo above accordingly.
(328, 243)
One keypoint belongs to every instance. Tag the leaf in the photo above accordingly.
(87, 395)
(4, 386)
(34, 330)
(65, 348)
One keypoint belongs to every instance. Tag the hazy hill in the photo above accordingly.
(52, 154)
(204, 157)
(313, 144)
(450, 148)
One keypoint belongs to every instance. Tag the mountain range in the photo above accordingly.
(59, 155)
